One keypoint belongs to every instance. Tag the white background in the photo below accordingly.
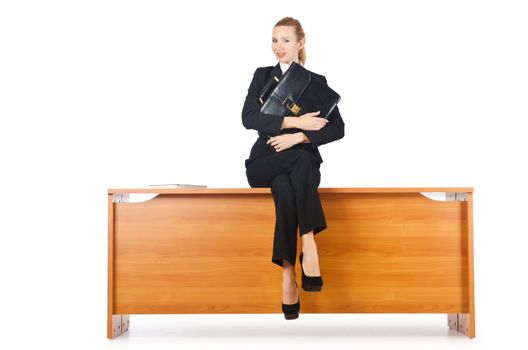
(103, 94)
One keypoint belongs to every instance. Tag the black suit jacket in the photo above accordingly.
(267, 124)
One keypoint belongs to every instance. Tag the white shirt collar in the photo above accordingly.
(284, 67)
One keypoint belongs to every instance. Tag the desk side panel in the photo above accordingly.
(110, 271)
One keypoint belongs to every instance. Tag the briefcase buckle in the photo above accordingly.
(295, 108)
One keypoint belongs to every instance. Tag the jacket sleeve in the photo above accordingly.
(332, 131)
(252, 118)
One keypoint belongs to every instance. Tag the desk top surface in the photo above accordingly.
(171, 190)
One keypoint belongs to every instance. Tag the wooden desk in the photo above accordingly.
(208, 251)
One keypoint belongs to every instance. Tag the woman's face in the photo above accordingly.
(284, 44)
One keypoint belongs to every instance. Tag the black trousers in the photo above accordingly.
(294, 177)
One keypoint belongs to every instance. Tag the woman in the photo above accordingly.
(289, 163)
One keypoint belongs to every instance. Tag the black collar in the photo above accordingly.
(276, 71)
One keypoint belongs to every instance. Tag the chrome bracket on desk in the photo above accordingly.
(132, 197)
(459, 322)
(456, 196)
(120, 324)
(120, 197)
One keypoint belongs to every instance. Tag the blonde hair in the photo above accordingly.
(299, 33)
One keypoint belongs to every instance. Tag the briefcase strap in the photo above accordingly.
(268, 88)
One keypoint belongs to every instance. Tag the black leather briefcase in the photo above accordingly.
(296, 93)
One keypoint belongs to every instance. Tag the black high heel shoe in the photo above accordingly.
(310, 283)
(291, 311)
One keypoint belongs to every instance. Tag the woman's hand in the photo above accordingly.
(284, 141)
(309, 121)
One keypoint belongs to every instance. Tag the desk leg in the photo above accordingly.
(116, 324)
(465, 323)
